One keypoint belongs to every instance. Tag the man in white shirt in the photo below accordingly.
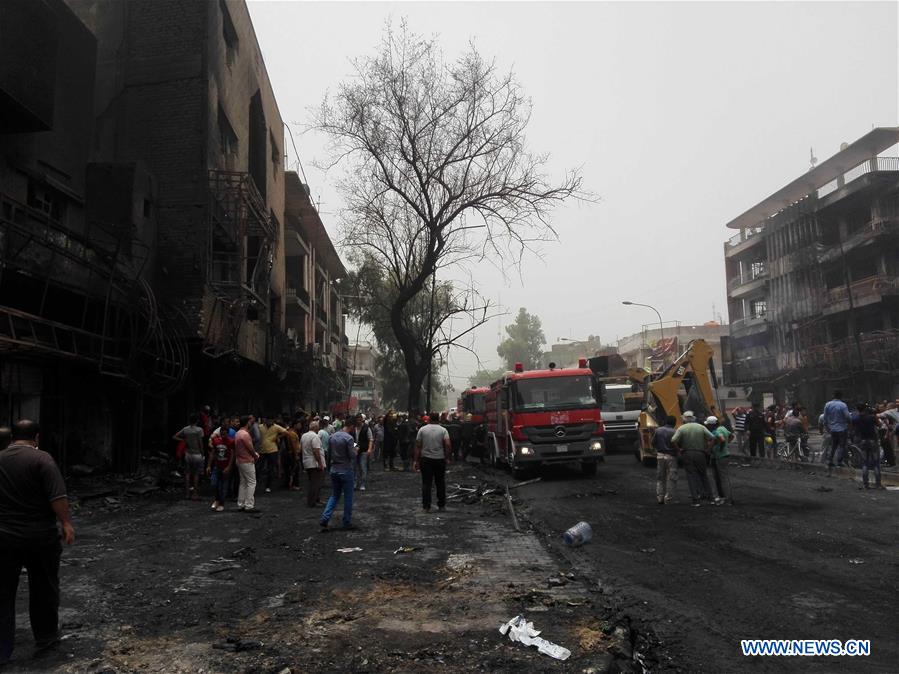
(313, 463)
(432, 452)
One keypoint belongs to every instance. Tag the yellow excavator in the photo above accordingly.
(689, 383)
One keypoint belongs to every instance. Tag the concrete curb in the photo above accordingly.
(889, 476)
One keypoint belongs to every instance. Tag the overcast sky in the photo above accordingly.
(681, 115)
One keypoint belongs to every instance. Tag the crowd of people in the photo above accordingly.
(238, 453)
(872, 429)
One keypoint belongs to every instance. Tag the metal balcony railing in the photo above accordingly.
(868, 166)
(743, 236)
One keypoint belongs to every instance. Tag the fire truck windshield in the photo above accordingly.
(476, 403)
(554, 393)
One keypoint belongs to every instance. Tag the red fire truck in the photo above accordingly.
(472, 408)
(545, 416)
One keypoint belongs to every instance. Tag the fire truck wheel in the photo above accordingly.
(589, 467)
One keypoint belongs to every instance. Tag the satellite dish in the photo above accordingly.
(843, 146)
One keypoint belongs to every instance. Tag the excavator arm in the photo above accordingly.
(696, 363)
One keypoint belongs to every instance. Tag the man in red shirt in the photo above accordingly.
(245, 455)
(220, 462)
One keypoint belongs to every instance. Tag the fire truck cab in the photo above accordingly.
(539, 417)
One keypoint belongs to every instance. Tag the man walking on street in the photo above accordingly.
(666, 461)
(342, 447)
(432, 452)
(313, 463)
(836, 421)
(694, 441)
(245, 454)
(194, 455)
(32, 499)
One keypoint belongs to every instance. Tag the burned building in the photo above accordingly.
(813, 281)
(143, 231)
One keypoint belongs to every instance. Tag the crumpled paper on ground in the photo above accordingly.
(523, 632)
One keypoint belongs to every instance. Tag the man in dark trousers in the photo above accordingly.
(32, 499)
(756, 428)
(432, 453)
(342, 446)
(694, 441)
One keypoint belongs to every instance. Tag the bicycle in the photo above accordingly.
(790, 449)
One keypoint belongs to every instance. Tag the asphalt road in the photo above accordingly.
(799, 556)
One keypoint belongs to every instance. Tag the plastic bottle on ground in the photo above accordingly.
(579, 534)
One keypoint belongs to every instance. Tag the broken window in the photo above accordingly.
(227, 137)
(758, 308)
(229, 34)
(256, 156)
(47, 200)
(276, 155)
(757, 269)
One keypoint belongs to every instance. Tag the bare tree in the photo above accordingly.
(437, 319)
(438, 170)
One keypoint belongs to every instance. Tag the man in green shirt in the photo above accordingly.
(694, 442)
(719, 455)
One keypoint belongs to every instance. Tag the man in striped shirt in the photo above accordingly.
(739, 415)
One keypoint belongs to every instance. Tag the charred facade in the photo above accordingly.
(147, 238)
(813, 281)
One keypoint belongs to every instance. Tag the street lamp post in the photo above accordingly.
(661, 328)
(649, 306)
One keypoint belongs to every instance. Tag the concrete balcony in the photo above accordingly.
(865, 236)
(856, 179)
(752, 370)
(746, 239)
(297, 297)
(865, 291)
(748, 284)
(751, 325)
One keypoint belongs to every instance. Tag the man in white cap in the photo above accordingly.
(694, 442)
(719, 455)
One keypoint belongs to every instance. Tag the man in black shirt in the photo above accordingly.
(865, 426)
(756, 428)
(32, 499)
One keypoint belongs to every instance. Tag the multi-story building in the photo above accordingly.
(813, 280)
(366, 388)
(149, 239)
(82, 334)
(314, 319)
(567, 352)
(653, 345)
